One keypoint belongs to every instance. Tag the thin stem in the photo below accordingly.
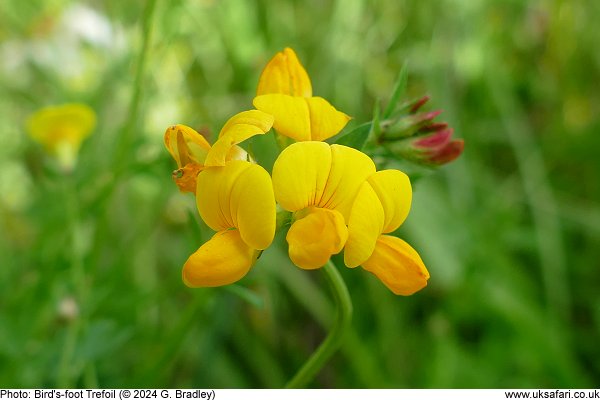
(334, 339)
(125, 139)
(77, 280)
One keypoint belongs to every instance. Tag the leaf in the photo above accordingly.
(399, 89)
(357, 137)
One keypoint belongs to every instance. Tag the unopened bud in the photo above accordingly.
(406, 126)
(448, 153)
(418, 104)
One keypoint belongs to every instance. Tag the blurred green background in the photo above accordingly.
(90, 284)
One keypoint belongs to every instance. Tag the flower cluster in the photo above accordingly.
(336, 199)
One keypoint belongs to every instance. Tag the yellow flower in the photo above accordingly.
(237, 201)
(318, 183)
(234, 197)
(381, 206)
(193, 153)
(61, 130)
(284, 91)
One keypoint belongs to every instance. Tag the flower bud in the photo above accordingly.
(417, 138)
(406, 126)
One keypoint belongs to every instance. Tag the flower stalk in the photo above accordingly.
(333, 341)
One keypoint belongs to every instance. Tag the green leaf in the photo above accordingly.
(246, 294)
(357, 137)
(399, 89)
(376, 125)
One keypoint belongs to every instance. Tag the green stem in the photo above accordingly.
(123, 148)
(77, 280)
(334, 339)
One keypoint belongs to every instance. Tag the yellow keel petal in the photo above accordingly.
(316, 237)
(224, 259)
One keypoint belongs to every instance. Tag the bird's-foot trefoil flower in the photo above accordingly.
(381, 206)
(193, 153)
(237, 201)
(318, 183)
(61, 130)
(234, 197)
(285, 91)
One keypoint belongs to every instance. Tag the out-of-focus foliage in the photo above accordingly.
(90, 262)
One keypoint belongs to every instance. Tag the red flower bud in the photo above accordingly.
(448, 153)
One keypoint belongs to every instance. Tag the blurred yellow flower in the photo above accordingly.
(318, 183)
(381, 206)
(284, 91)
(193, 153)
(237, 201)
(61, 130)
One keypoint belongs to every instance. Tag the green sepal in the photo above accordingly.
(399, 89)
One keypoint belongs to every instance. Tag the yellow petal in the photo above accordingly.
(252, 206)
(325, 120)
(238, 195)
(292, 116)
(397, 265)
(302, 118)
(349, 169)
(240, 127)
(186, 145)
(314, 238)
(257, 118)
(300, 174)
(238, 153)
(59, 125)
(224, 259)
(395, 194)
(284, 74)
(364, 226)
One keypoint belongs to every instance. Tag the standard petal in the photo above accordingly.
(224, 259)
(398, 266)
(186, 145)
(239, 128)
(292, 115)
(395, 193)
(284, 74)
(325, 120)
(349, 169)
(316, 237)
(300, 174)
(364, 226)
(252, 206)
